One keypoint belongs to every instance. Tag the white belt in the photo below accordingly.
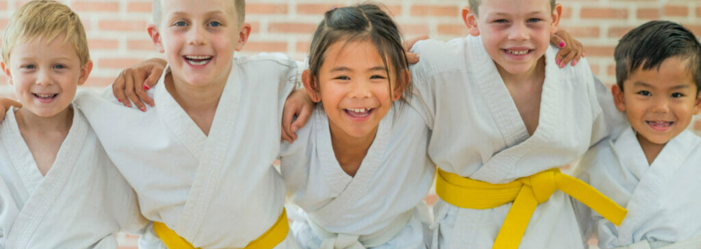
(693, 243)
(348, 241)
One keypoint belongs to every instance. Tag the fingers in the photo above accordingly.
(130, 92)
(287, 116)
(579, 50)
(408, 44)
(118, 87)
(302, 119)
(286, 137)
(412, 58)
(558, 41)
(140, 88)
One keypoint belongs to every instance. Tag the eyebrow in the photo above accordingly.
(184, 13)
(346, 69)
(508, 14)
(677, 87)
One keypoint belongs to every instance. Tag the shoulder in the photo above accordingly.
(599, 159)
(581, 72)
(269, 59)
(439, 55)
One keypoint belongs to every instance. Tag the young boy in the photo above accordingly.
(504, 118)
(201, 159)
(651, 168)
(58, 188)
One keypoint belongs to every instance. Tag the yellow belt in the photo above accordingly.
(525, 193)
(271, 238)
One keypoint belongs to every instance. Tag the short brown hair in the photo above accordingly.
(475, 4)
(45, 19)
(239, 9)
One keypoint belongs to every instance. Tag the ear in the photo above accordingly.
(8, 73)
(557, 14)
(697, 105)
(155, 37)
(310, 87)
(243, 36)
(618, 98)
(85, 72)
(399, 88)
(470, 20)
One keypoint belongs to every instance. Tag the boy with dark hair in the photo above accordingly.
(652, 165)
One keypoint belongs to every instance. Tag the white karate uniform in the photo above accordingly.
(478, 133)
(81, 202)
(662, 202)
(382, 206)
(214, 191)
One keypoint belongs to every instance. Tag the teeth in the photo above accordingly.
(197, 63)
(659, 123)
(362, 110)
(514, 52)
(197, 57)
(45, 96)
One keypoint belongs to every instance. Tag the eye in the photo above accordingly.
(30, 66)
(534, 20)
(59, 66)
(180, 24)
(214, 24)
(377, 77)
(644, 93)
(677, 95)
(342, 78)
(500, 21)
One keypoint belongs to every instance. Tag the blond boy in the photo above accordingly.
(200, 159)
(58, 188)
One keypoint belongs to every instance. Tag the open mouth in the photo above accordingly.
(197, 60)
(517, 52)
(659, 125)
(45, 96)
(359, 113)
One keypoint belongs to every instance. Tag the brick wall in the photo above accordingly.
(117, 28)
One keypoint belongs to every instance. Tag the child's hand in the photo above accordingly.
(132, 83)
(5, 105)
(297, 104)
(408, 44)
(570, 49)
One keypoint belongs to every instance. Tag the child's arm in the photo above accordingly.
(6, 104)
(132, 83)
(571, 50)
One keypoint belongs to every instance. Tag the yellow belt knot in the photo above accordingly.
(525, 193)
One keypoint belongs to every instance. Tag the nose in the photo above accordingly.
(44, 78)
(519, 32)
(196, 36)
(360, 89)
(661, 105)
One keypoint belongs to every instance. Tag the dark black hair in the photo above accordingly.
(358, 23)
(649, 45)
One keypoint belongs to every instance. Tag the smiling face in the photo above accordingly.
(199, 39)
(354, 88)
(659, 104)
(515, 33)
(45, 76)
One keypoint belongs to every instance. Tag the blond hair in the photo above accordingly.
(474, 5)
(45, 19)
(239, 9)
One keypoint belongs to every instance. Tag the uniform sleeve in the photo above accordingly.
(608, 121)
(423, 93)
(295, 158)
(8, 211)
(582, 212)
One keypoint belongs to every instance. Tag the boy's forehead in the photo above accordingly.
(514, 6)
(673, 72)
(198, 6)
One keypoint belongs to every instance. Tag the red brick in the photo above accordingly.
(255, 27)
(117, 63)
(698, 12)
(392, 10)
(266, 47)
(697, 125)
(651, 13)
(696, 29)
(566, 12)
(123, 25)
(103, 44)
(604, 13)
(303, 47)
(266, 8)
(96, 6)
(415, 29)
(671, 10)
(99, 81)
(3, 23)
(140, 45)
(139, 7)
(315, 9)
(618, 32)
(605, 51)
(583, 32)
(302, 28)
(452, 29)
(429, 10)
(611, 70)
(594, 68)
(3, 5)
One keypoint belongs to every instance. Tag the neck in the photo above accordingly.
(651, 150)
(350, 151)
(535, 74)
(195, 98)
(61, 122)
